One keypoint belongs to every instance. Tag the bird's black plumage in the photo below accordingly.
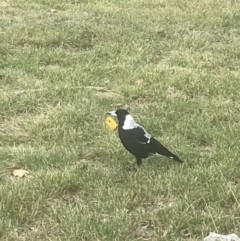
(137, 140)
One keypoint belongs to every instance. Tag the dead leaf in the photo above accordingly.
(30, 90)
(173, 92)
(103, 91)
(58, 105)
(4, 4)
(206, 148)
(144, 101)
(139, 81)
(20, 173)
(97, 88)
(146, 224)
(145, 229)
(107, 94)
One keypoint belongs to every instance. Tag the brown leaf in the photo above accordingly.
(139, 81)
(103, 91)
(20, 173)
(58, 105)
(107, 94)
(97, 88)
(206, 148)
(4, 4)
(172, 92)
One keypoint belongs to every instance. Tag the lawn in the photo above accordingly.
(175, 66)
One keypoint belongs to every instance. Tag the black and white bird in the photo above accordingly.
(137, 140)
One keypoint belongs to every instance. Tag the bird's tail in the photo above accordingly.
(161, 150)
(174, 157)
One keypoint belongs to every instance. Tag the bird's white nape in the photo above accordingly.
(129, 123)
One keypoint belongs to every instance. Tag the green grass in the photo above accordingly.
(51, 124)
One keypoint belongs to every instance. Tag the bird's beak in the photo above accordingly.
(112, 113)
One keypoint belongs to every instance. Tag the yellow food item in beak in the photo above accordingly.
(111, 123)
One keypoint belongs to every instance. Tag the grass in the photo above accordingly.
(175, 64)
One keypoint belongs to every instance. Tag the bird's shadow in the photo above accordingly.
(130, 167)
(160, 164)
(156, 164)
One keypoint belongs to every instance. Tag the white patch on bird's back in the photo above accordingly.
(130, 123)
(147, 135)
(144, 143)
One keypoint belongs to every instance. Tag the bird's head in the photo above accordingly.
(119, 113)
(125, 120)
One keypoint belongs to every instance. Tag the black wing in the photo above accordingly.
(142, 135)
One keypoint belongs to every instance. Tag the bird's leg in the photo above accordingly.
(139, 161)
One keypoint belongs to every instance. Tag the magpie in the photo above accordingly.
(137, 140)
